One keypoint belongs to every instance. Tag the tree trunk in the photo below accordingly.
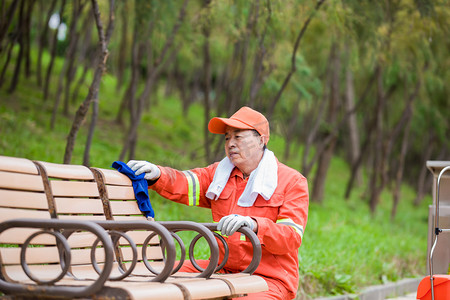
(42, 40)
(20, 39)
(352, 123)
(131, 137)
(370, 129)
(258, 62)
(377, 167)
(333, 108)
(421, 181)
(73, 66)
(8, 58)
(27, 37)
(69, 57)
(207, 79)
(290, 130)
(53, 54)
(6, 20)
(293, 61)
(399, 173)
(121, 60)
(93, 89)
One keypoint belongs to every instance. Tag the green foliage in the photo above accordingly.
(344, 249)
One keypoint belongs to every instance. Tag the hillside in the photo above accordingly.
(344, 248)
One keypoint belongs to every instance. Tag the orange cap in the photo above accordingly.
(244, 118)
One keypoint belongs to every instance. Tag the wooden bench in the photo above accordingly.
(76, 232)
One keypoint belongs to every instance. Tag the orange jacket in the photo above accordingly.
(281, 220)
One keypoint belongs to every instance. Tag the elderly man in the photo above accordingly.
(249, 187)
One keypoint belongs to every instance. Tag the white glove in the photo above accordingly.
(151, 171)
(231, 223)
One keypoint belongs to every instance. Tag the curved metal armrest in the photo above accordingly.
(175, 226)
(257, 252)
(124, 226)
(53, 226)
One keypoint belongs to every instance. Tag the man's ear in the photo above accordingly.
(262, 140)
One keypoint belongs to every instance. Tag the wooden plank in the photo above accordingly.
(74, 188)
(78, 205)
(120, 192)
(19, 235)
(243, 283)
(199, 288)
(17, 165)
(21, 199)
(140, 236)
(114, 177)
(130, 218)
(67, 171)
(34, 255)
(154, 252)
(149, 290)
(23, 182)
(9, 213)
(82, 217)
(43, 272)
(83, 256)
(81, 239)
(125, 208)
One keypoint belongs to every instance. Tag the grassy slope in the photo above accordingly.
(344, 249)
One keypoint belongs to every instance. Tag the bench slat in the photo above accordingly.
(124, 208)
(17, 165)
(67, 171)
(120, 192)
(149, 290)
(21, 199)
(8, 214)
(74, 188)
(195, 287)
(34, 255)
(18, 181)
(113, 177)
(78, 205)
(154, 252)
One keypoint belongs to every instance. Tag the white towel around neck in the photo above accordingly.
(263, 180)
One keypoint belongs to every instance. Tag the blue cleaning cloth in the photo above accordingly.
(140, 187)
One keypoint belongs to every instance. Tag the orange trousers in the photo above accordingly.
(276, 290)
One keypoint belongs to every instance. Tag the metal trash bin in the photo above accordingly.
(437, 287)
(441, 255)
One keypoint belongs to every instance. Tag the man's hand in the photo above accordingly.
(151, 171)
(231, 223)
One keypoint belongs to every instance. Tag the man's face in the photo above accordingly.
(243, 147)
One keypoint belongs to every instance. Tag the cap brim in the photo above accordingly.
(219, 125)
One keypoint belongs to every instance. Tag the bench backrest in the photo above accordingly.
(33, 189)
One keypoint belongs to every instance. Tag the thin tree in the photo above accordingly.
(92, 95)
(158, 64)
(69, 57)
(21, 41)
(206, 29)
(42, 40)
(53, 52)
(293, 68)
(333, 108)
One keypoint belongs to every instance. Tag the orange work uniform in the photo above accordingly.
(281, 219)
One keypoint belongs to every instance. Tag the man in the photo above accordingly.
(249, 187)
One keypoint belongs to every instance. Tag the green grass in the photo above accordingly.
(344, 248)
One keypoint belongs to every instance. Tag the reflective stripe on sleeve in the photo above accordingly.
(193, 188)
(289, 222)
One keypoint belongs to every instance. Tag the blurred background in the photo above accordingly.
(356, 93)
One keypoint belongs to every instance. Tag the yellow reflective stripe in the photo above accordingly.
(242, 237)
(193, 188)
(289, 222)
